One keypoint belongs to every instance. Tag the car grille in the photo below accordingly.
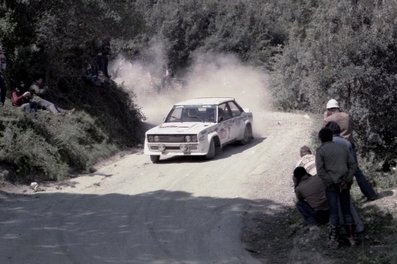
(171, 138)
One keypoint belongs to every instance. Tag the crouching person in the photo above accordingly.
(312, 201)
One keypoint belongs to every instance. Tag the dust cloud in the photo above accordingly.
(210, 75)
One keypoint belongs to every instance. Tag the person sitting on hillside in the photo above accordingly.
(312, 201)
(37, 91)
(23, 99)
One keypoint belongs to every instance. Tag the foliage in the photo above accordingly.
(247, 29)
(347, 52)
(54, 40)
(314, 50)
(43, 146)
(300, 243)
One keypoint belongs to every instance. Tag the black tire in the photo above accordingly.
(247, 135)
(211, 151)
(155, 158)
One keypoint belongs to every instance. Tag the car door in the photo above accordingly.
(225, 123)
(237, 120)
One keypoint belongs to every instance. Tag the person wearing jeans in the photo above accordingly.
(3, 90)
(333, 114)
(365, 187)
(336, 167)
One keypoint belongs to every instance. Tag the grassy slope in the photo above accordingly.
(283, 238)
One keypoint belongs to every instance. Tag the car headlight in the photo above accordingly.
(150, 138)
(156, 138)
(191, 138)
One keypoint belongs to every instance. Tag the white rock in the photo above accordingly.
(34, 186)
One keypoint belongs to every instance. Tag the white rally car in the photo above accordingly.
(199, 127)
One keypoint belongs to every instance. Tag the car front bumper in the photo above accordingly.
(176, 149)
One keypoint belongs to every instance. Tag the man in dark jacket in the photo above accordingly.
(3, 87)
(3, 90)
(310, 193)
(336, 167)
(365, 187)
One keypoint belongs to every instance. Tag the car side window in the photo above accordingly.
(175, 115)
(236, 111)
(224, 112)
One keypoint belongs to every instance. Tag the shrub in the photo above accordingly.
(43, 146)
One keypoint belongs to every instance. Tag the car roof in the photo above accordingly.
(206, 100)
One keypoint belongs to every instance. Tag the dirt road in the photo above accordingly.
(182, 210)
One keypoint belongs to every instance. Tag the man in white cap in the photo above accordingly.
(334, 114)
(342, 120)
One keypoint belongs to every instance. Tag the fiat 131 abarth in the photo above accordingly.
(199, 127)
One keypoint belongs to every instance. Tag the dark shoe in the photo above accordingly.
(373, 198)
(351, 234)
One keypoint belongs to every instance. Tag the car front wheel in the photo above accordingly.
(211, 151)
(155, 158)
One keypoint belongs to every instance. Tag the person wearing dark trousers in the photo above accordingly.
(336, 167)
(365, 187)
(3, 87)
(311, 198)
(3, 90)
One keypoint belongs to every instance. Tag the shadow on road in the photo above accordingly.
(153, 227)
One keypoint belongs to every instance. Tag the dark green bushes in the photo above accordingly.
(315, 50)
(43, 146)
(347, 52)
(55, 40)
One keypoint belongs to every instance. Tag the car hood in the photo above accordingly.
(180, 128)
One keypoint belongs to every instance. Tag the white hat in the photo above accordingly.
(332, 104)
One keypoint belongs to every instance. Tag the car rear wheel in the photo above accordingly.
(155, 158)
(211, 151)
(247, 135)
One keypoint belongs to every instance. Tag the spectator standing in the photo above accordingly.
(333, 113)
(336, 167)
(365, 187)
(3, 87)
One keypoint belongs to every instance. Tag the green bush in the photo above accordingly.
(43, 146)
(31, 157)
(346, 51)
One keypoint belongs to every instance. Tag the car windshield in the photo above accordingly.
(192, 113)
